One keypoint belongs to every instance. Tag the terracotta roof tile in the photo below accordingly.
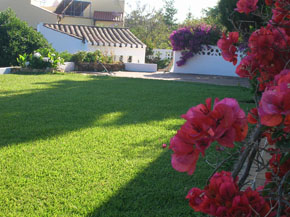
(100, 36)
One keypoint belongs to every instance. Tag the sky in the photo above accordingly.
(183, 6)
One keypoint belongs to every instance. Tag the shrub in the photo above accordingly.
(41, 59)
(16, 38)
(92, 57)
(67, 57)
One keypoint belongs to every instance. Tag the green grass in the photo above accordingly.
(74, 145)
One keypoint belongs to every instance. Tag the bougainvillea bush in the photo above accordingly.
(190, 40)
(267, 65)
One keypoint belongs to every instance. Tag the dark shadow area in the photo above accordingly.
(69, 105)
(158, 191)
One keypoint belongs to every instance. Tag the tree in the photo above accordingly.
(170, 12)
(149, 26)
(16, 38)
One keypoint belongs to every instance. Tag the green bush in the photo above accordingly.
(41, 59)
(17, 38)
(67, 57)
(92, 57)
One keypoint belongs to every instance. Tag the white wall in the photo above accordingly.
(207, 62)
(139, 67)
(138, 54)
(62, 42)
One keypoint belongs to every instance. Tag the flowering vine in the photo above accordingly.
(190, 40)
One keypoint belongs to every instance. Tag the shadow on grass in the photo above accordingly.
(156, 191)
(69, 105)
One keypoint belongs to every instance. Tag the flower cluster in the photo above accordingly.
(222, 198)
(274, 108)
(190, 40)
(267, 64)
(277, 168)
(246, 6)
(227, 47)
(268, 46)
(225, 123)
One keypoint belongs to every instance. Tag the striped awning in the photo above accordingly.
(100, 36)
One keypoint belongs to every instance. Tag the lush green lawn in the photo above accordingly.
(73, 145)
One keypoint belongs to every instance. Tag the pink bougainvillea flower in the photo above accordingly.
(258, 204)
(253, 116)
(269, 109)
(164, 145)
(226, 123)
(185, 155)
(261, 44)
(196, 197)
(275, 103)
(231, 122)
(246, 6)
(247, 67)
(283, 77)
(227, 47)
(223, 198)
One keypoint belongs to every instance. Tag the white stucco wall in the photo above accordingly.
(62, 42)
(207, 62)
(138, 54)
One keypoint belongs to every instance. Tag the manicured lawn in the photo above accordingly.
(74, 145)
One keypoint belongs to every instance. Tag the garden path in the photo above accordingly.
(209, 79)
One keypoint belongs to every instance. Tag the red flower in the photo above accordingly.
(276, 167)
(227, 47)
(246, 6)
(275, 103)
(196, 198)
(281, 11)
(253, 116)
(231, 122)
(225, 124)
(283, 77)
(269, 2)
(185, 155)
(247, 67)
(261, 45)
(258, 204)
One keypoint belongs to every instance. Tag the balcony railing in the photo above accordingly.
(108, 16)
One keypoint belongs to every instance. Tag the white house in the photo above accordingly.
(118, 42)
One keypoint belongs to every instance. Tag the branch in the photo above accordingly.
(255, 136)
(219, 166)
(280, 192)
(249, 164)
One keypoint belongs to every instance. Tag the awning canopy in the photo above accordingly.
(100, 36)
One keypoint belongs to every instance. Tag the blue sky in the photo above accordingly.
(183, 6)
